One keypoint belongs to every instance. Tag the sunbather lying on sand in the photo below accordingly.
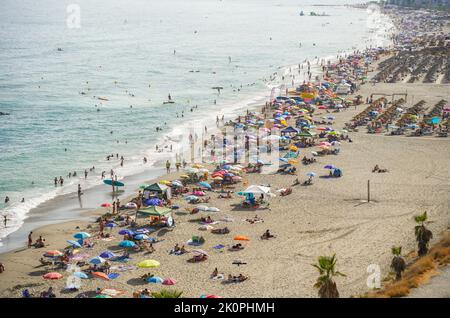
(225, 196)
(256, 219)
(237, 247)
(206, 220)
(267, 235)
(198, 258)
(237, 279)
(225, 230)
(379, 170)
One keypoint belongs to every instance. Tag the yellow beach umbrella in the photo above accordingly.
(148, 263)
(184, 176)
(164, 182)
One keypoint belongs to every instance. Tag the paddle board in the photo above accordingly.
(116, 183)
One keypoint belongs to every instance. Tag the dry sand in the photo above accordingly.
(329, 217)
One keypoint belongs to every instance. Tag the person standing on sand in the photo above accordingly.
(30, 240)
(85, 173)
(168, 166)
(5, 220)
(79, 190)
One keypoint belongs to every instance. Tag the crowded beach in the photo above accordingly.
(337, 169)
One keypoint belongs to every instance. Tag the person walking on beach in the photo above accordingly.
(85, 173)
(5, 220)
(30, 240)
(168, 166)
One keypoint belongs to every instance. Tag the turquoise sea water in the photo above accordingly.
(126, 48)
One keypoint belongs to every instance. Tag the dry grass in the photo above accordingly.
(419, 272)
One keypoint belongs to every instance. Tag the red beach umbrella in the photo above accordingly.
(101, 275)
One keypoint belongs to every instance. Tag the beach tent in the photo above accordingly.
(161, 189)
(306, 134)
(155, 211)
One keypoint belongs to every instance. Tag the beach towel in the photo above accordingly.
(113, 275)
(218, 247)
(111, 292)
(123, 268)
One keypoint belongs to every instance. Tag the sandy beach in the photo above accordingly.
(332, 216)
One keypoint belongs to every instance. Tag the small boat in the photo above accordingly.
(169, 102)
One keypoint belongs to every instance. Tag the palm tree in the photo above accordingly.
(327, 270)
(165, 293)
(423, 235)
(398, 264)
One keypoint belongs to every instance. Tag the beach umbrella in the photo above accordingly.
(127, 244)
(153, 202)
(81, 275)
(191, 198)
(97, 260)
(100, 275)
(184, 176)
(311, 174)
(74, 243)
(52, 275)
(236, 178)
(107, 254)
(197, 165)
(217, 178)
(241, 238)
(111, 225)
(106, 205)
(205, 184)
(53, 253)
(325, 143)
(148, 263)
(199, 251)
(81, 235)
(331, 167)
(126, 232)
(165, 182)
(141, 237)
(169, 281)
(155, 280)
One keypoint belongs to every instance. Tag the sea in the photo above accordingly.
(57, 58)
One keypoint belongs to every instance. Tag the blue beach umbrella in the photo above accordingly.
(127, 244)
(155, 280)
(111, 225)
(331, 167)
(74, 243)
(81, 235)
(107, 254)
(205, 184)
(141, 237)
(81, 275)
(126, 232)
(97, 260)
(311, 174)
